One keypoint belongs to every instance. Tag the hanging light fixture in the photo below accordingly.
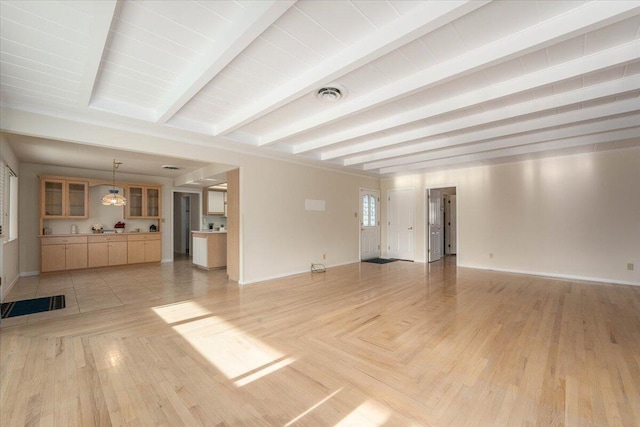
(113, 198)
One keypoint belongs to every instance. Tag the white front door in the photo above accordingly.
(435, 225)
(369, 223)
(401, 224)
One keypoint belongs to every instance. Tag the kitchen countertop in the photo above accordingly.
(210, 231)
(100, 234)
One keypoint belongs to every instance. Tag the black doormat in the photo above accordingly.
(379, 260)
(30, 306)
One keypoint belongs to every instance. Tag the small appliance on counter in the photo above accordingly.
(153, 228)
(74, 229)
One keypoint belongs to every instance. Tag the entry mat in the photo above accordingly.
(30, 306)
(379, 260)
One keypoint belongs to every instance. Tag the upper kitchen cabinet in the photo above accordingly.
(215, 202)
(143, 201)
(63, 198)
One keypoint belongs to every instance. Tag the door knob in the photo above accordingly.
(410, 228)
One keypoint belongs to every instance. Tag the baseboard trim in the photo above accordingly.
(555, 275)
(29, 273)
(280, 276)
(167, 260)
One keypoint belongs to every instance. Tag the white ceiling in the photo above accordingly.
(429, 85)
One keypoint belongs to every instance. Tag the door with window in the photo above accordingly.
(369, 223)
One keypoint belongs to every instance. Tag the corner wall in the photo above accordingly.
(9, 252)
(574, 216)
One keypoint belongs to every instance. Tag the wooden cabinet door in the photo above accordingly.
(152, 251)
(98, 254)
(76, 256)
(52, 198)
(134, 202)
(77, 199)
(53, 257)
(117, 253)
(152, 202)
(215, 202)
(135, 252)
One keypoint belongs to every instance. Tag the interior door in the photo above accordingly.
(450, 216)
(369, 224)
(435, 225)
(401, 224)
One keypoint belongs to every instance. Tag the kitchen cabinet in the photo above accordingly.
(63, 253)
(215, 202)
(143, 201)
(144, 248)
(105, 250)
(62, 198)
(210, 249)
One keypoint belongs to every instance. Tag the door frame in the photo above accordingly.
(426, 219)
(180, 190)
(378, 207)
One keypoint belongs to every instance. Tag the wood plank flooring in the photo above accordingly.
(398, 344)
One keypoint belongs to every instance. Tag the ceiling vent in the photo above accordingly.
(170, 167)
(330, 94)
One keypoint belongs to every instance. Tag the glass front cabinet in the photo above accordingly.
(61, 198)
(143, 201)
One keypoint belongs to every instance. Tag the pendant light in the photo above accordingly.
(113, 198)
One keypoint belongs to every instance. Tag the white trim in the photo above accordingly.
(29, 273)
(279, 276)
(167, 260)
(554, 275)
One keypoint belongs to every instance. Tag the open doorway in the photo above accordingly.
(186, 218)
(442, 223)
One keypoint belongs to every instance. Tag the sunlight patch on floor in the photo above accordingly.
(180, 311)
(228, 348)
(247, 379)
(369, 413)
(302, 415)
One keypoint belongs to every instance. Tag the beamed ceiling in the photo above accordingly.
(427, 85)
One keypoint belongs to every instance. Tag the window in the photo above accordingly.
(369, 210)
(8, 203)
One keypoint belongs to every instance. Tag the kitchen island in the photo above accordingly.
(210, 249)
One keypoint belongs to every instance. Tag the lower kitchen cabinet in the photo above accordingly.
(59, 253)
(144, 248)
(104, 250)
(63, 253)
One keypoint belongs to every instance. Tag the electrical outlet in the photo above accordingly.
(490, 255)
(324, 256)
(630, 266)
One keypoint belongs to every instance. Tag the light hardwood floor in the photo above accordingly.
(397, 344)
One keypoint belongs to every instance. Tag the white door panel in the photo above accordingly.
(369, 224)
(401, 224)
(451, 225)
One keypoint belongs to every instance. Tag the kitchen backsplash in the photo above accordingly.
(217, 220)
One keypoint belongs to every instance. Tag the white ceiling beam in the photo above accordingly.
(103, 12)
(583, 19)
(591, 63)
(412, 153)
(588, 93)
(424, 20)
(598, 138)
(521, 140)
(259, 16)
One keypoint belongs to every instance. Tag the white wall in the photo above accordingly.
(574, 216)
(9, 253)
(29, 210)
(279, 236)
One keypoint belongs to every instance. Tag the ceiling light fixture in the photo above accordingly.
(330, 94)
(113, 198)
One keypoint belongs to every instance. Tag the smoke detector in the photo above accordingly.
(331, 93)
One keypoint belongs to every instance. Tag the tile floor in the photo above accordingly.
(100, 288)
